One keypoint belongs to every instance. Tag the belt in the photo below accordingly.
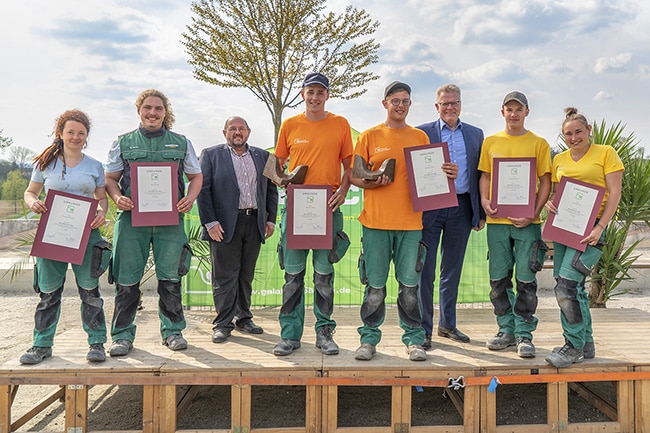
(250, 211)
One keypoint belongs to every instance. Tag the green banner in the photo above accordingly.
(269, 278)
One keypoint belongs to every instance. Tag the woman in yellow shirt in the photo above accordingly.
(599, 165)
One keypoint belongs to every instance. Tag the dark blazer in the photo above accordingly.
(473, 137)
(219, 196)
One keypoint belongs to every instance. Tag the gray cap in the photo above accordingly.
(395, 86)
(515, 96)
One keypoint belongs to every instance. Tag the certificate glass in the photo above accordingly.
(514, 182)
(63, 231)
(154, 191)
(309, 218)
(577, 205)
(429, 186)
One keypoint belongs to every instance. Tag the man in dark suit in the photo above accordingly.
(237, 208)
(452, 225)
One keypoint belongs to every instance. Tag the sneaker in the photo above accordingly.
(120, 348)
(500, 341)
(416, 353)
(427, 342)
(525, 347)
(589, 351)
(35, 354)
(566, 356)
(97, 353)
(324, 341)
(365, 352)
(286, 347)
(175, 342)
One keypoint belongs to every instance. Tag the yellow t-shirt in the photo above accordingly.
(320, 145)
(592, 168)
(502, 145)
(389, 207)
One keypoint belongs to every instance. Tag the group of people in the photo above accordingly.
(238, 210)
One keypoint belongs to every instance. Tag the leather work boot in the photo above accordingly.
(35, 354)
(365, 352)
(286, 347)
(501, 341)
(566, 356)
(325, 342)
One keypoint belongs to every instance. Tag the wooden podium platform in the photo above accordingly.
(463, 371)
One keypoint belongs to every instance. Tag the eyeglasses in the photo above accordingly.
(452, 104)
(396, 102)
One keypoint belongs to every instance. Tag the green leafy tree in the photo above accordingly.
(267, 46)
(634, 208)
(14, 187)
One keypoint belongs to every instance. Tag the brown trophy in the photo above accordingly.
(362, 171)
(273, 171)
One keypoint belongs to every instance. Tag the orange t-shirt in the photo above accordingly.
(320, 145)
(389, 207)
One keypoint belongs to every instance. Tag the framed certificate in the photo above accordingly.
(154, 192)
(64, 230)
(514, 182)
(577, 205)
(429, 186)
(309, 218)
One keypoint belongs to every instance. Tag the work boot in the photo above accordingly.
(286, 347)
(365, 352)
(97, 353)
(325, 342)
(120, 348)
(589, 351)
(501, 341)
(416, 353)
(566, 356)
(525, 347)
(175, 342)
(35, 354)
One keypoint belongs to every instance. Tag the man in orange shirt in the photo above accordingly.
(391, 228)
(323, 142)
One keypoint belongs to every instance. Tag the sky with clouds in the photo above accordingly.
(97, 56)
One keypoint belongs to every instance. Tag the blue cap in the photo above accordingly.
(316, 78)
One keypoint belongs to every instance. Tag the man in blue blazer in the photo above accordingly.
(451, 225)
(237, 207)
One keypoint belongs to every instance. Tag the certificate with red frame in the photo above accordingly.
(309, 218)
(514, 185)
(429, 186)
(154, 192)
(64, 230)
(577, 204)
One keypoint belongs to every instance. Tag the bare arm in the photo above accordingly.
(613, 182)
(193, 189)
(113, 189)
(31, 197)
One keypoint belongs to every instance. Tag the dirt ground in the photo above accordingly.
(120, 407)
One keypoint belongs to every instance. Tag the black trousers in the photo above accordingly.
(233, 269)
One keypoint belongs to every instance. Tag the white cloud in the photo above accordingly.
(603, 96)
(618, 63)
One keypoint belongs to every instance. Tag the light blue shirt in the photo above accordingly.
(457, 154)
(82, 179)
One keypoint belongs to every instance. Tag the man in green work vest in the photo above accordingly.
(153, 141)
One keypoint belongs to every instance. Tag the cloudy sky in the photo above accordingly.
(97, 56)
